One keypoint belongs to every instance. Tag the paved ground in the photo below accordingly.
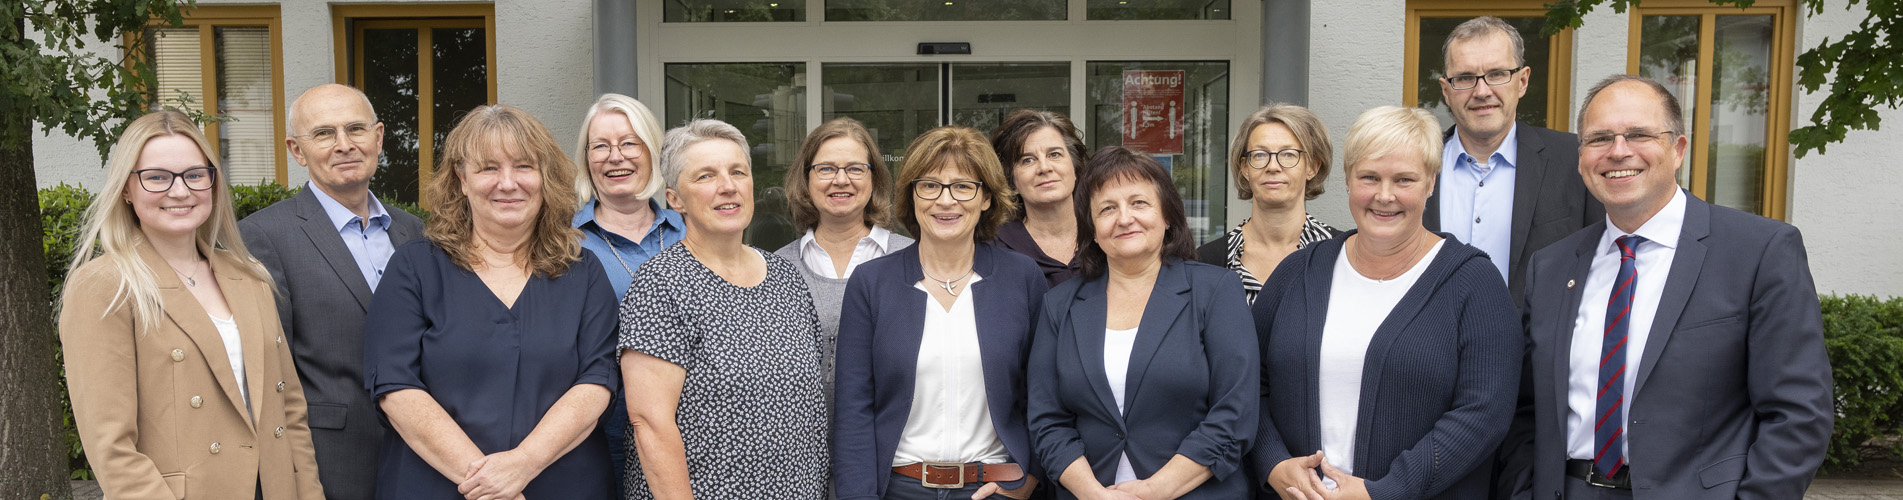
(1822, 489)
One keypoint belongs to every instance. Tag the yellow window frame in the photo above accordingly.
(1559, 76)
(206, 18)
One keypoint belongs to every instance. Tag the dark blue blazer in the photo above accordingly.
(880, 324)
(1733, 393)
(1437, 385)
(1190, 390)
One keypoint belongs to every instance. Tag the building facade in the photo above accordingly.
(1168, 77)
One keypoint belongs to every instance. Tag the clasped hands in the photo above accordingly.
(1295, 479)
(499, 476)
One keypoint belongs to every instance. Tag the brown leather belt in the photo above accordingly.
(1584, 470)
(953, 475)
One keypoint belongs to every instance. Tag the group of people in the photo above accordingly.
(1008, 315)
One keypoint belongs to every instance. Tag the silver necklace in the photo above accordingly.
(946, 284)
(611, 249)
(190, 279)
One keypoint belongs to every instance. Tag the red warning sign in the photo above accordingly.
(1153, 111)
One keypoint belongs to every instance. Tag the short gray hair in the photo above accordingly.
(1674, 112)
(680, 138)
(1479, 27)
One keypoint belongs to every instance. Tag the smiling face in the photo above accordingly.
(1275, 187)
(1634, 181)
(947, 220)
(617, 175)
(1387, 193)
(1044, 171)
(715, 194)
(504, 190)
(178, 211)
(1485, 110)
(1127, 220)
(345, 164)
(841, 197)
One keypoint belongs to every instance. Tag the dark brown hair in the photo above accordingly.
(799, 202)
(553, 243)
(1119, 163)
(963, 148)
(1008, 141)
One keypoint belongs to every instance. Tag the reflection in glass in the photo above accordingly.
(1740, 94)
(982, 94)
(1433, 64)
(1132, 10)
(390, 80)
(247, 139)
(461, 79)
(733, 11)
(767, 102)
(1668, 54)
(1201, 172)
(895, 101)
(947, 10)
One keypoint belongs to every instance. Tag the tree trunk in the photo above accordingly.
(33, 463)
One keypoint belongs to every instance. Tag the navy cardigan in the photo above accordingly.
(1437, 387)
(880, 325)
(1191, 385)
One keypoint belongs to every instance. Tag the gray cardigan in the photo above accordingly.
(829, 293)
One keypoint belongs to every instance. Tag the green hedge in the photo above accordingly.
(1865, 337)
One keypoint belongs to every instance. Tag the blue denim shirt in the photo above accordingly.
(613, 250)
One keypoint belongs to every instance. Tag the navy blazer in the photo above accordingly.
(1733, 393)
(1437, 385)
(1190, 390)
(880, 326)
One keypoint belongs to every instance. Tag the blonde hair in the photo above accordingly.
(553, 243)
(1308, 131)
(112, 228)
(645, 126)
(1393, 129)
(965, 149)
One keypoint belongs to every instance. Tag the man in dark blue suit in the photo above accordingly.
(1675, 350)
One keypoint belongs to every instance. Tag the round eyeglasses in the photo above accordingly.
(630, 149)
(1287, 158)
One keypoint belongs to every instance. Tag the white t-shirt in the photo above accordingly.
(1117, 345)
(1356, 307)
(234, 350)
(950, 419)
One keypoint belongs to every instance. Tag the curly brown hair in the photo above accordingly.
(966, 149)
(799, 202)
(554, 244)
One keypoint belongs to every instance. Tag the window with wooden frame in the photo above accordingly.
(1731, 71)
(1547, 93)
(223, 62)
(423, 67)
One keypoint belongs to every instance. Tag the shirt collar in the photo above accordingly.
(1663, 228)
(662, 217)
(879, 236)
(340, 216)
(1507, 155)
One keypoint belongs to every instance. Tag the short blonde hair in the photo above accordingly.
(966, 149)
(645, 126)
(1394, 129)
(1308, 131)
(553, 243)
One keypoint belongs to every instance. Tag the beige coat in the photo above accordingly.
(160, 414)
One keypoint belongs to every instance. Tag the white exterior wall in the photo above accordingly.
(1356, 62)
(545, 65)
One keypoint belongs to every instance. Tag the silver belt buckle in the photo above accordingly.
(925, 474)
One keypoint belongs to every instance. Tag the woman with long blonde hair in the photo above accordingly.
(181, 381)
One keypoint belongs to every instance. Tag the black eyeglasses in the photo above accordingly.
(927, 189)
(828, 171)
(1287, 158)
(1495, 77)
(158, 180)
(326, 137)
(630, 149)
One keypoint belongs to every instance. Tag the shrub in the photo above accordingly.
(1865, 338)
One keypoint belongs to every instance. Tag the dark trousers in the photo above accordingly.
(901, 487)
(615, 424)
(1577, 489)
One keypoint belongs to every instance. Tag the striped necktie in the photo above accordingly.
(1609, 431)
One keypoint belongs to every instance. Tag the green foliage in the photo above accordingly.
(1864, 69)
(1865, 339)
(248, 199)
(50, 78)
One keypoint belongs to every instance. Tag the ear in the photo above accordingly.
(297, 153)
(673, 198)
(1524, 78)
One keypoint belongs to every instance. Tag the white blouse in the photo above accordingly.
(1117, 345)
(872, 246)
(950, 419)
(234, 350)
(1356, 307)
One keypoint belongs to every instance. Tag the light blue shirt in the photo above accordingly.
(1476, 199)
(615, 251)
(368, 241)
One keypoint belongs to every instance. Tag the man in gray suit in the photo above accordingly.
(326, 248)
(1675, 350)
(1505, 187)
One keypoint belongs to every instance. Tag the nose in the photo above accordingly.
(1620, 148)
(725, 184)
(178, 188)
(840, 178)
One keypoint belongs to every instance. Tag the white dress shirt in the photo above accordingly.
(1653, 262)
(950, 419)
(234, 351)
(870, 247)
(1356, 307)
(1476, 197)
(1117, 345)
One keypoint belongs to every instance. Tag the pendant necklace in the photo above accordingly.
(190, 279)
(946, 284)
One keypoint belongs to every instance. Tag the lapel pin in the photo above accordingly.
(1569, 284)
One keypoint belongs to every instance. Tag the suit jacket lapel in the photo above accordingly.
(184, 310)
(1168, 297)
(910, 312)
(400, 232)
(1528, 173)
(1561, 363)
(1087, 328)
(246, 311)
(330, 245)
(1686, 262)
(992, 341)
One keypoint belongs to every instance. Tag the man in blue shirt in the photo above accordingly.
(1505, 187)
(326, 249)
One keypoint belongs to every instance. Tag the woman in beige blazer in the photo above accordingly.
(182, 383)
